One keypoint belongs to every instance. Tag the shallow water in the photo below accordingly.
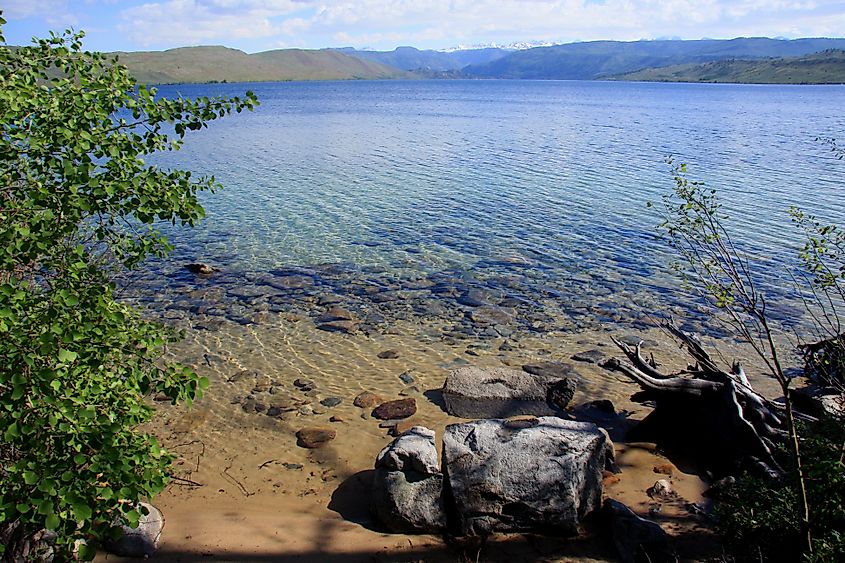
(483, 222)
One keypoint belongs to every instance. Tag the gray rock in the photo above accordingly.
(407, 494)
(406, 378)
(141, 541)
(661, 489)
(540, 474)
(473, 392)
(474, 298)
(413, 450)
(490, 315)
(347, 327)
(589, 356)
(636, 539)
(331, 401)
(556, 370)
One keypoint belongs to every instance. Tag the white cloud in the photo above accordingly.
(54, 12)
(387, 23)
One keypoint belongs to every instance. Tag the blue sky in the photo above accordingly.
(253, 25)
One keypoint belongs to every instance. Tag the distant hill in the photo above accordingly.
(602, 59)
(826, 67)
(218, 64)
(411, 58)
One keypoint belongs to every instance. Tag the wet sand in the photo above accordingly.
(245, 491)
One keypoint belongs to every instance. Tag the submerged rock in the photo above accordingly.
(201, 269)
(590, 356)
(366, 400)
(542, 475)
(314, 437)
(473, 392)
(392, 410)
(347, 327)
(407, 494)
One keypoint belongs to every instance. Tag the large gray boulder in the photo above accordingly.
(141, 541)
(407, 493)
(473, 392)
(539, 474)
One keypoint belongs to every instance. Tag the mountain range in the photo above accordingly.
(632, 60)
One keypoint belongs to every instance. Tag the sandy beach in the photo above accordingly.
(245, 491)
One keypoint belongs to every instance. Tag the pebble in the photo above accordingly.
(313, 437)
(400, 408)
(367, 399)
(346, 327)
(331, 401)
(589, 356)
(388, 354)
(664, 468)
(407, 378)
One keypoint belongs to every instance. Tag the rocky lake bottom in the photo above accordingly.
(288, 352)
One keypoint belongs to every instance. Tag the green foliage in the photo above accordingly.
(759, 518)
(77, 201)
(713, 266)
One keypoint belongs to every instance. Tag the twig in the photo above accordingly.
(186, 482)
(233, 480)
(266, 463)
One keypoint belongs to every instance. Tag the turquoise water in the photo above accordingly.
(545, 182)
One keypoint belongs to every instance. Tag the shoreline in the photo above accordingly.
(264, 498)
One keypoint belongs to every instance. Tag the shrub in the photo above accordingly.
(77, 201)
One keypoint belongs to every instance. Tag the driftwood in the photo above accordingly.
(709, 413)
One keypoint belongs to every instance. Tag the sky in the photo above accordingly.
(252, 25)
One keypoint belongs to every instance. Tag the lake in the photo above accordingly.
(525, 188)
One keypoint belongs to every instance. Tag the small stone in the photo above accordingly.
(473, 298)
(201, 269)
(388, 354)
(329, 300)
(260, 407)
(555, 370)
(346, 327)
(336, 418)
(400, 408)
(331, 402)
(407, 378)
(274, 412)
(303, 383)
(589, 356)
(661, 489)
(366, 400)
(664, 468)
(305, 410)
(312, 438)
(336, 314)
(292, 466)
(319, 410)
(402, 426)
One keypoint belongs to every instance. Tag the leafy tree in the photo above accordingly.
(77, 200)
(723, 275)
(808, 504)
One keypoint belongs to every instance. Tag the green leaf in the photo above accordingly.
(52, 522)
(67, 356)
